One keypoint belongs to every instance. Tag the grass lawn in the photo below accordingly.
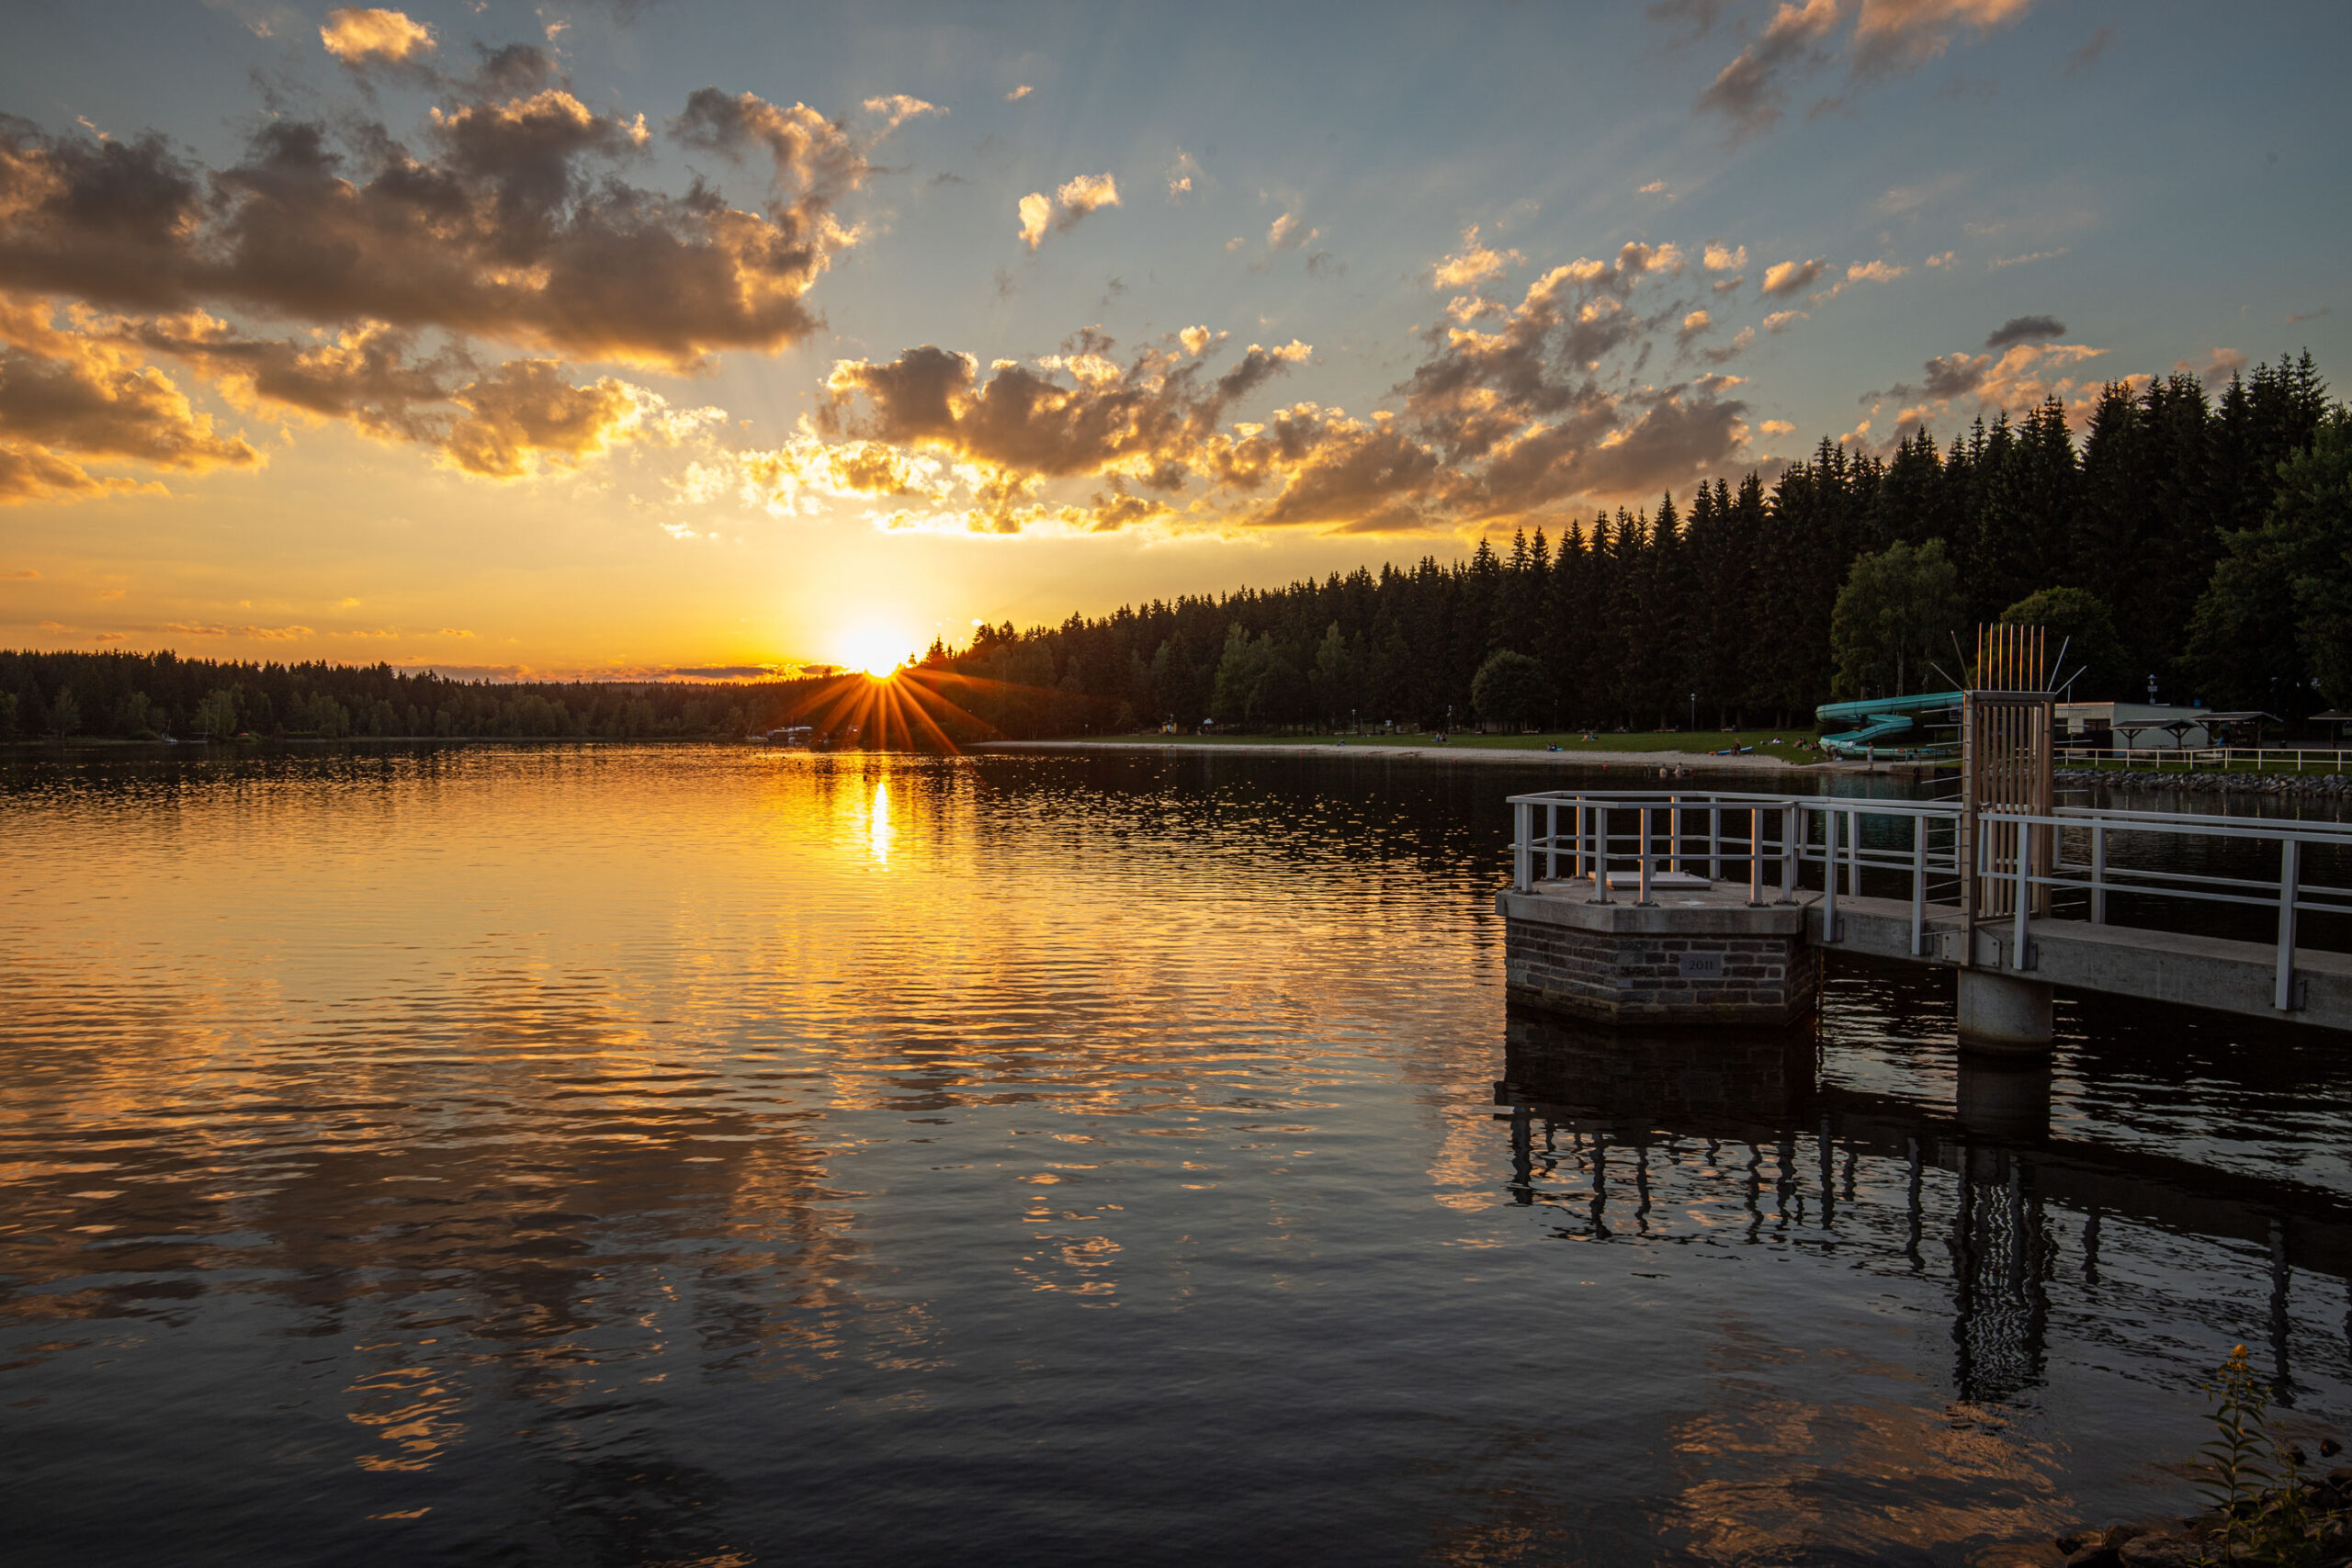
(1767, 743)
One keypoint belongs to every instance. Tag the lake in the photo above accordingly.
(714, 1155)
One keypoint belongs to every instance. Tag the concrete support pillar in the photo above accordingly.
(2003, 1012)
(2004, 1095)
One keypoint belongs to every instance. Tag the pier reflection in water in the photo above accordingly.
(1661, 1136)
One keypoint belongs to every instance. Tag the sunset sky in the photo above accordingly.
(622, 339)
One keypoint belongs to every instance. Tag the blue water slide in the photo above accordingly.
(1880, 719)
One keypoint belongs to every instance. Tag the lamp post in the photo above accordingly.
(1694, 713)
(2152, 691)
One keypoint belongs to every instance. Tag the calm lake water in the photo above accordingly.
(722, 1155)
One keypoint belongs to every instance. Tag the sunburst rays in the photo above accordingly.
(919, 708)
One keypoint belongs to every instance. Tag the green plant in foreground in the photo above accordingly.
(2264, 1509)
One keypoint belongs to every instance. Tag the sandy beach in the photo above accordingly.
(1650, 762)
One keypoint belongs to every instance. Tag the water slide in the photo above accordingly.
(1879, 720)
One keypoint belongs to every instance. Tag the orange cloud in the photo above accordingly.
(66, 398)
(366, 35)
(1074, 200)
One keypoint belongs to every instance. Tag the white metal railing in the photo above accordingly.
(2224, 758)
(1640, 834)
(1627, 841)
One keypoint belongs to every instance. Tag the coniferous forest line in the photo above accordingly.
(2206, 541)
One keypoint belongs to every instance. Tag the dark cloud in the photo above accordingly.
(2026, 328)
(1674, 441)
(2083, 59)
(515, 226)
(1691, 19)
(1515, 421)
(1949, 376)
(1890, 38)
(511, 219)
(1156, 412)
(1751, 90)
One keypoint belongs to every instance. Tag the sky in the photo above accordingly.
(626, 340)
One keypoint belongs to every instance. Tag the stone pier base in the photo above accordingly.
(1695, 954)
(2003, 1012)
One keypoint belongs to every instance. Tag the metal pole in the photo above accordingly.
(1576, 856)
(2024, 897)
(1523, 828)
(1551, 840)
(1918, 886)
(1829, 874)
(1715, 841)
(1674, 832)
(1755, 856)
(1789, 853)
(2098, 874)
(2290, 866)
(1642, 858)
(1600, 854)
(1854, 854)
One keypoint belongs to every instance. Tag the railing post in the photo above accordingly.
(1854, 853)
(1714, 841)
(2024, 894)
(1600, 854)
(1642, 860)
(1918, 886)
(1551, 840)
(1755, 857)
(2098, 874)
(1674, 832)
(1788, 824)
(1522, 853)
(1829, 874)
(2290, 866)
(1576, 856)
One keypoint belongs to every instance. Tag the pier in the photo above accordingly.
(1648, 906)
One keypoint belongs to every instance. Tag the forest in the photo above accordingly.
(143, 695)
(2199, 543)
(2206, 537)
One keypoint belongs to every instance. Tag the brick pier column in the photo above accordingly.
(1696, 955)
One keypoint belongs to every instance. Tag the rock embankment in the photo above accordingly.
(2333, 786)
(2187, 1543)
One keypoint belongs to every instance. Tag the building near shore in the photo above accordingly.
(2142, 726)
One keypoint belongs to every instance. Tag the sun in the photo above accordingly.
(876, 648)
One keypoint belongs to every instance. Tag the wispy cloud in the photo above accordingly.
(1888, 37)
(2083, 59)
(1999, 263)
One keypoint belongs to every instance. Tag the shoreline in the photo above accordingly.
(1651, 761)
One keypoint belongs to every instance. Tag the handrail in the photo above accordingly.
(2224, 757)
(1732, 827)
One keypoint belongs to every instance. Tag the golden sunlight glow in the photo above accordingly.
(876, 648)
(878, 824)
